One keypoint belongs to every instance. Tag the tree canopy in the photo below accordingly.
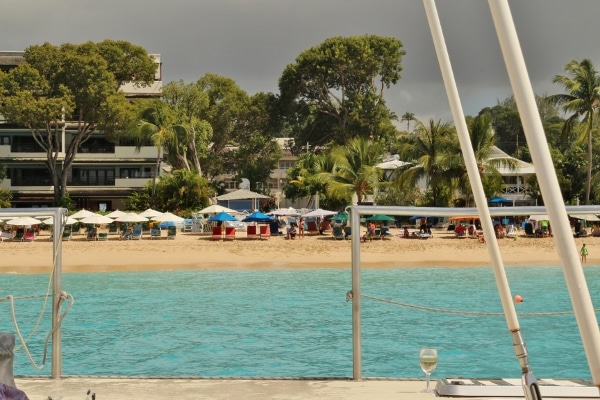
(335, 91)
(75, 87)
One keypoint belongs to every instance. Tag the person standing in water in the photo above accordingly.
(584, 253)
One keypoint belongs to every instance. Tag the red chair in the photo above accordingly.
(217, 233)
(265, 232)
(251, 232)
(229, 233)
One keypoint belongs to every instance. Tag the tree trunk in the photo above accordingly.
(588, 182)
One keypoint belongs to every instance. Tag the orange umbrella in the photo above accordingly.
(464, 218)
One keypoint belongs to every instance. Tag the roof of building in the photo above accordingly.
(522, 167)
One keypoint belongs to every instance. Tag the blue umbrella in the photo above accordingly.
(500, 200)
(222, 217)
(258, 217)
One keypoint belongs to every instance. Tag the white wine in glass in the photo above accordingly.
(428, 359)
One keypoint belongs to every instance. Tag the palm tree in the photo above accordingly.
(156, 126)
(425, 151)
(354, 169)
(482, 137)
(408, 116)
(582, 100)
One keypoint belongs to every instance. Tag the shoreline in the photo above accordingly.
(193, 251)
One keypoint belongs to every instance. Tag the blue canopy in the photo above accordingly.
(500, 200)
(259, 217)
(222, 216)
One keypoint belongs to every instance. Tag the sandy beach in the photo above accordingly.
(199, 251)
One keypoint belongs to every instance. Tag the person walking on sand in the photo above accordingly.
(584, 253)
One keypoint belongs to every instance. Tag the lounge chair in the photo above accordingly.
(511, 231)
(529, 230)
(136, 234)
(29, 236)
(347, 232)
(171, 232)
(113, 228)
(155, 233)
(229, 233)
(102, 236)
(312, 228)
(92, 234)
(217, 233)
(19, 235)
(251, 232)
(338, 233)
(264, 232)
(67, 233)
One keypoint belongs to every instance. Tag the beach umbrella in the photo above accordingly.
(70, 221)
(131, 217)
(342, 216)
(258, 217)
(464, 218)
(167, 217)
(149, 213)
(222, 217)
(82, 214)
(285, 212)
(215, 209)
(319, 213)
(96, 219)
(22, 221)
(116, 214)
(380, 217)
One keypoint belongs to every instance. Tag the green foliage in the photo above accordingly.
(5, 198)
(139, 200)
(76, 83)
(66, 202)
(334, 91)
(392, 195)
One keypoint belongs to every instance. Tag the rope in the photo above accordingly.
(476, 313)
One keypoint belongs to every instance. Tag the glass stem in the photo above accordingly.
(428, 374)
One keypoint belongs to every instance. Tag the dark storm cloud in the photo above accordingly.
(252, 41)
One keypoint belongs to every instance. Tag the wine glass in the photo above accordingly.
(428, 359)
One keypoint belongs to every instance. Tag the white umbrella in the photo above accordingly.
(131, 217)
(149, 213)
(587, 217)
(320, 213)
(22, 221)
(82, 214)
(215, 209)
(97, 219)
(290, 212)
(167, 217)
(116, 214)
(70, 221)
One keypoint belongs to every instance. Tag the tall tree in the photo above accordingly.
(335, 91)
(408, 117)
(582, 99)
(64, 94)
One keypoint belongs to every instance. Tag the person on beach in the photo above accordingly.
(301, 227)
(584, 253)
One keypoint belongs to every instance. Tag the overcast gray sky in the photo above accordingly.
(251, 41)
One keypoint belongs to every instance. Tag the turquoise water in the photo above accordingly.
(296, 323)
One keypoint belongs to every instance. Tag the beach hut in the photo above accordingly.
(241, 200)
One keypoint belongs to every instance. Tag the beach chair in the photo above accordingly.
(385, 233)
(217, 233)
(229, 233)
(529, 230)
(92, 234)
(338, 233)
(67, 233)
(136, 233)
(29, 235)
(511, 231)
(102, 236)
(113, 229)
(251, 232)
(264, 232)
(347, 232)
(171, 232)
(19, 235)
(312, 228)
(155, 233)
